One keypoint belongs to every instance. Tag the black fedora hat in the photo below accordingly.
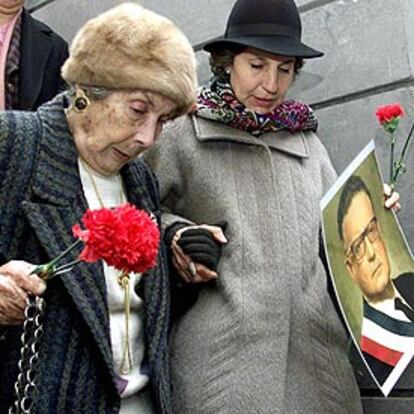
(270, 25)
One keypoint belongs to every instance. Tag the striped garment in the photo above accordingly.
(387, 345)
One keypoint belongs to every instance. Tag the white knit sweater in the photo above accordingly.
(111, 193)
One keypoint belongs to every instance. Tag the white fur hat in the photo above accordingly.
(129, 47)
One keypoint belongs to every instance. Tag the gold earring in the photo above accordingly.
(81, 101)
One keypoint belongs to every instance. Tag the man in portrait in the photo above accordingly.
(388, 303)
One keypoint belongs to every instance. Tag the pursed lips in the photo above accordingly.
(266, 102)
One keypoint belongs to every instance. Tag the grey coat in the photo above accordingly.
(265, 338)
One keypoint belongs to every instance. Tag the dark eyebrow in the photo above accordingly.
(287, 61)
(261, 57)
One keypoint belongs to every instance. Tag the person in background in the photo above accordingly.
(31, 57)
(261, 334)
(130, 71)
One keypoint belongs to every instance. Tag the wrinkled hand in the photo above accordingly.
(392, 199)
(16, 283)
(191, 270)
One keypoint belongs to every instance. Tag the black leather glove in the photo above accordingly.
(201, 246)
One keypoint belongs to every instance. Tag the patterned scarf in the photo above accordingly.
(217, 102)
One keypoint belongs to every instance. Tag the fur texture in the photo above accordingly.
(129, 47)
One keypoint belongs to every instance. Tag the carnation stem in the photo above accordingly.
(403, 152)
(407, 142)
(44, 270)
(65, 252)
(392, 161)
(67, 267)
(69, 264)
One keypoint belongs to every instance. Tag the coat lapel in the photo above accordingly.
(36, 47)
(137, 191)
(137, 194)
(284, 141)
(57, 203)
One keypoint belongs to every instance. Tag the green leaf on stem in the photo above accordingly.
(392, 126)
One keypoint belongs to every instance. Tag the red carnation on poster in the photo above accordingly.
(125, 237)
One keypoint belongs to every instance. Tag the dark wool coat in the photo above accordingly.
(42, 54)
(41, 198)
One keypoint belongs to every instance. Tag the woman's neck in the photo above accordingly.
(7, 14)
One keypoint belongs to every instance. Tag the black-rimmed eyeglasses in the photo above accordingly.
(358, 247)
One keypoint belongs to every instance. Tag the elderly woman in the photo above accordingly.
(263, 335)
(131, 71)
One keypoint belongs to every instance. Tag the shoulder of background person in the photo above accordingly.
(178, 128)
(31, 23)
(176, 137)
(313, 141)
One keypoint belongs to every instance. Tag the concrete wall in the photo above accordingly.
(369, 61)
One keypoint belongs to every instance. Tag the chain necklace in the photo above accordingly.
(123, 278)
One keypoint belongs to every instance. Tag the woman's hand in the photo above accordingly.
(16, 283)
(392, 199)
(196, 252)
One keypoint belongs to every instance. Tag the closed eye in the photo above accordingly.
(284, 69)
(137, 112)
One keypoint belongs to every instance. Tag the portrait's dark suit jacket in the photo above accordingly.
(405, 285)
(42, 53)
(41, 199)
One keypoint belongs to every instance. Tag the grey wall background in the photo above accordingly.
(369, 60)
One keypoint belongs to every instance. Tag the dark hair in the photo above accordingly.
(353, 186)
(222, 57)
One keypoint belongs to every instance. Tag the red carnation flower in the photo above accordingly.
(387, 113)
(125, 237)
